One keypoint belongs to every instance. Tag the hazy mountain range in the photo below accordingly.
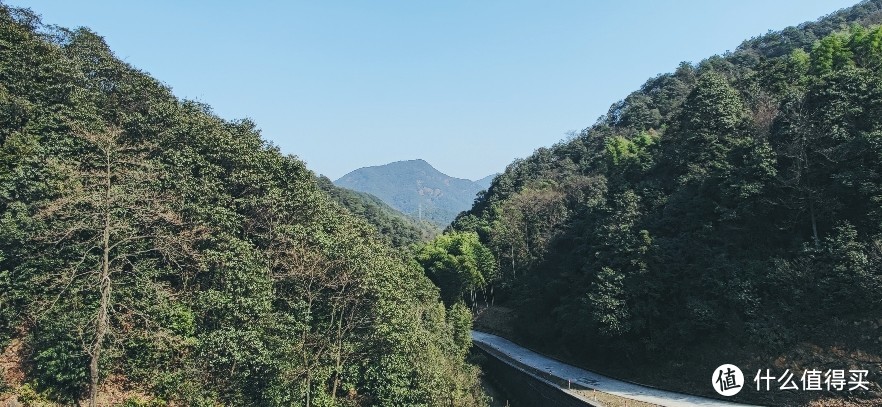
(416, 189)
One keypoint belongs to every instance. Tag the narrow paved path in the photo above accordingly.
(591, 379)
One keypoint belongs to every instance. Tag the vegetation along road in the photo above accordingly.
(580, 378)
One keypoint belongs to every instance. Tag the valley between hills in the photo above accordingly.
(729, 211)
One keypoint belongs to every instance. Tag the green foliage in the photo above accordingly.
(59, 359)
(801, 61)
(458, 264)
(393, 226)
(851, 284)
(609, 311)
(6, 305)
(460, 319)
(713, 106)
(624, 151)
(831, 53)
(30, 397)
(135, 402)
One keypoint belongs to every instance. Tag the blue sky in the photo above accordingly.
(466, 85)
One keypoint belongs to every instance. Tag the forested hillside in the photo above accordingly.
(728, 212)
(153, 253)
(394, 227)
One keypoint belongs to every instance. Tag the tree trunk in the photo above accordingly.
(100, 331)
(308, 389)
(101, 321)
(511, 254)
(814, 224)
(338, 360)
(306, 361)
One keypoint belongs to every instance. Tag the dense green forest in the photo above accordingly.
(394, 227)
(728, 212)
(154, 253)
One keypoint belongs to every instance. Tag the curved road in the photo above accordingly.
(591, 379)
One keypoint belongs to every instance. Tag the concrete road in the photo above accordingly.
(591, 379)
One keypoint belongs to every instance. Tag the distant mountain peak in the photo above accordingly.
(415, 188)
(486, 181)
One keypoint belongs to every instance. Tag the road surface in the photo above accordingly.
(591, 379)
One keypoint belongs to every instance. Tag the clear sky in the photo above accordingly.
(466, 85)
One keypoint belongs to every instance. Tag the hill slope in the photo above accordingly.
(728, 212)
(152, 253)
(415, 188)
(397, 229)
